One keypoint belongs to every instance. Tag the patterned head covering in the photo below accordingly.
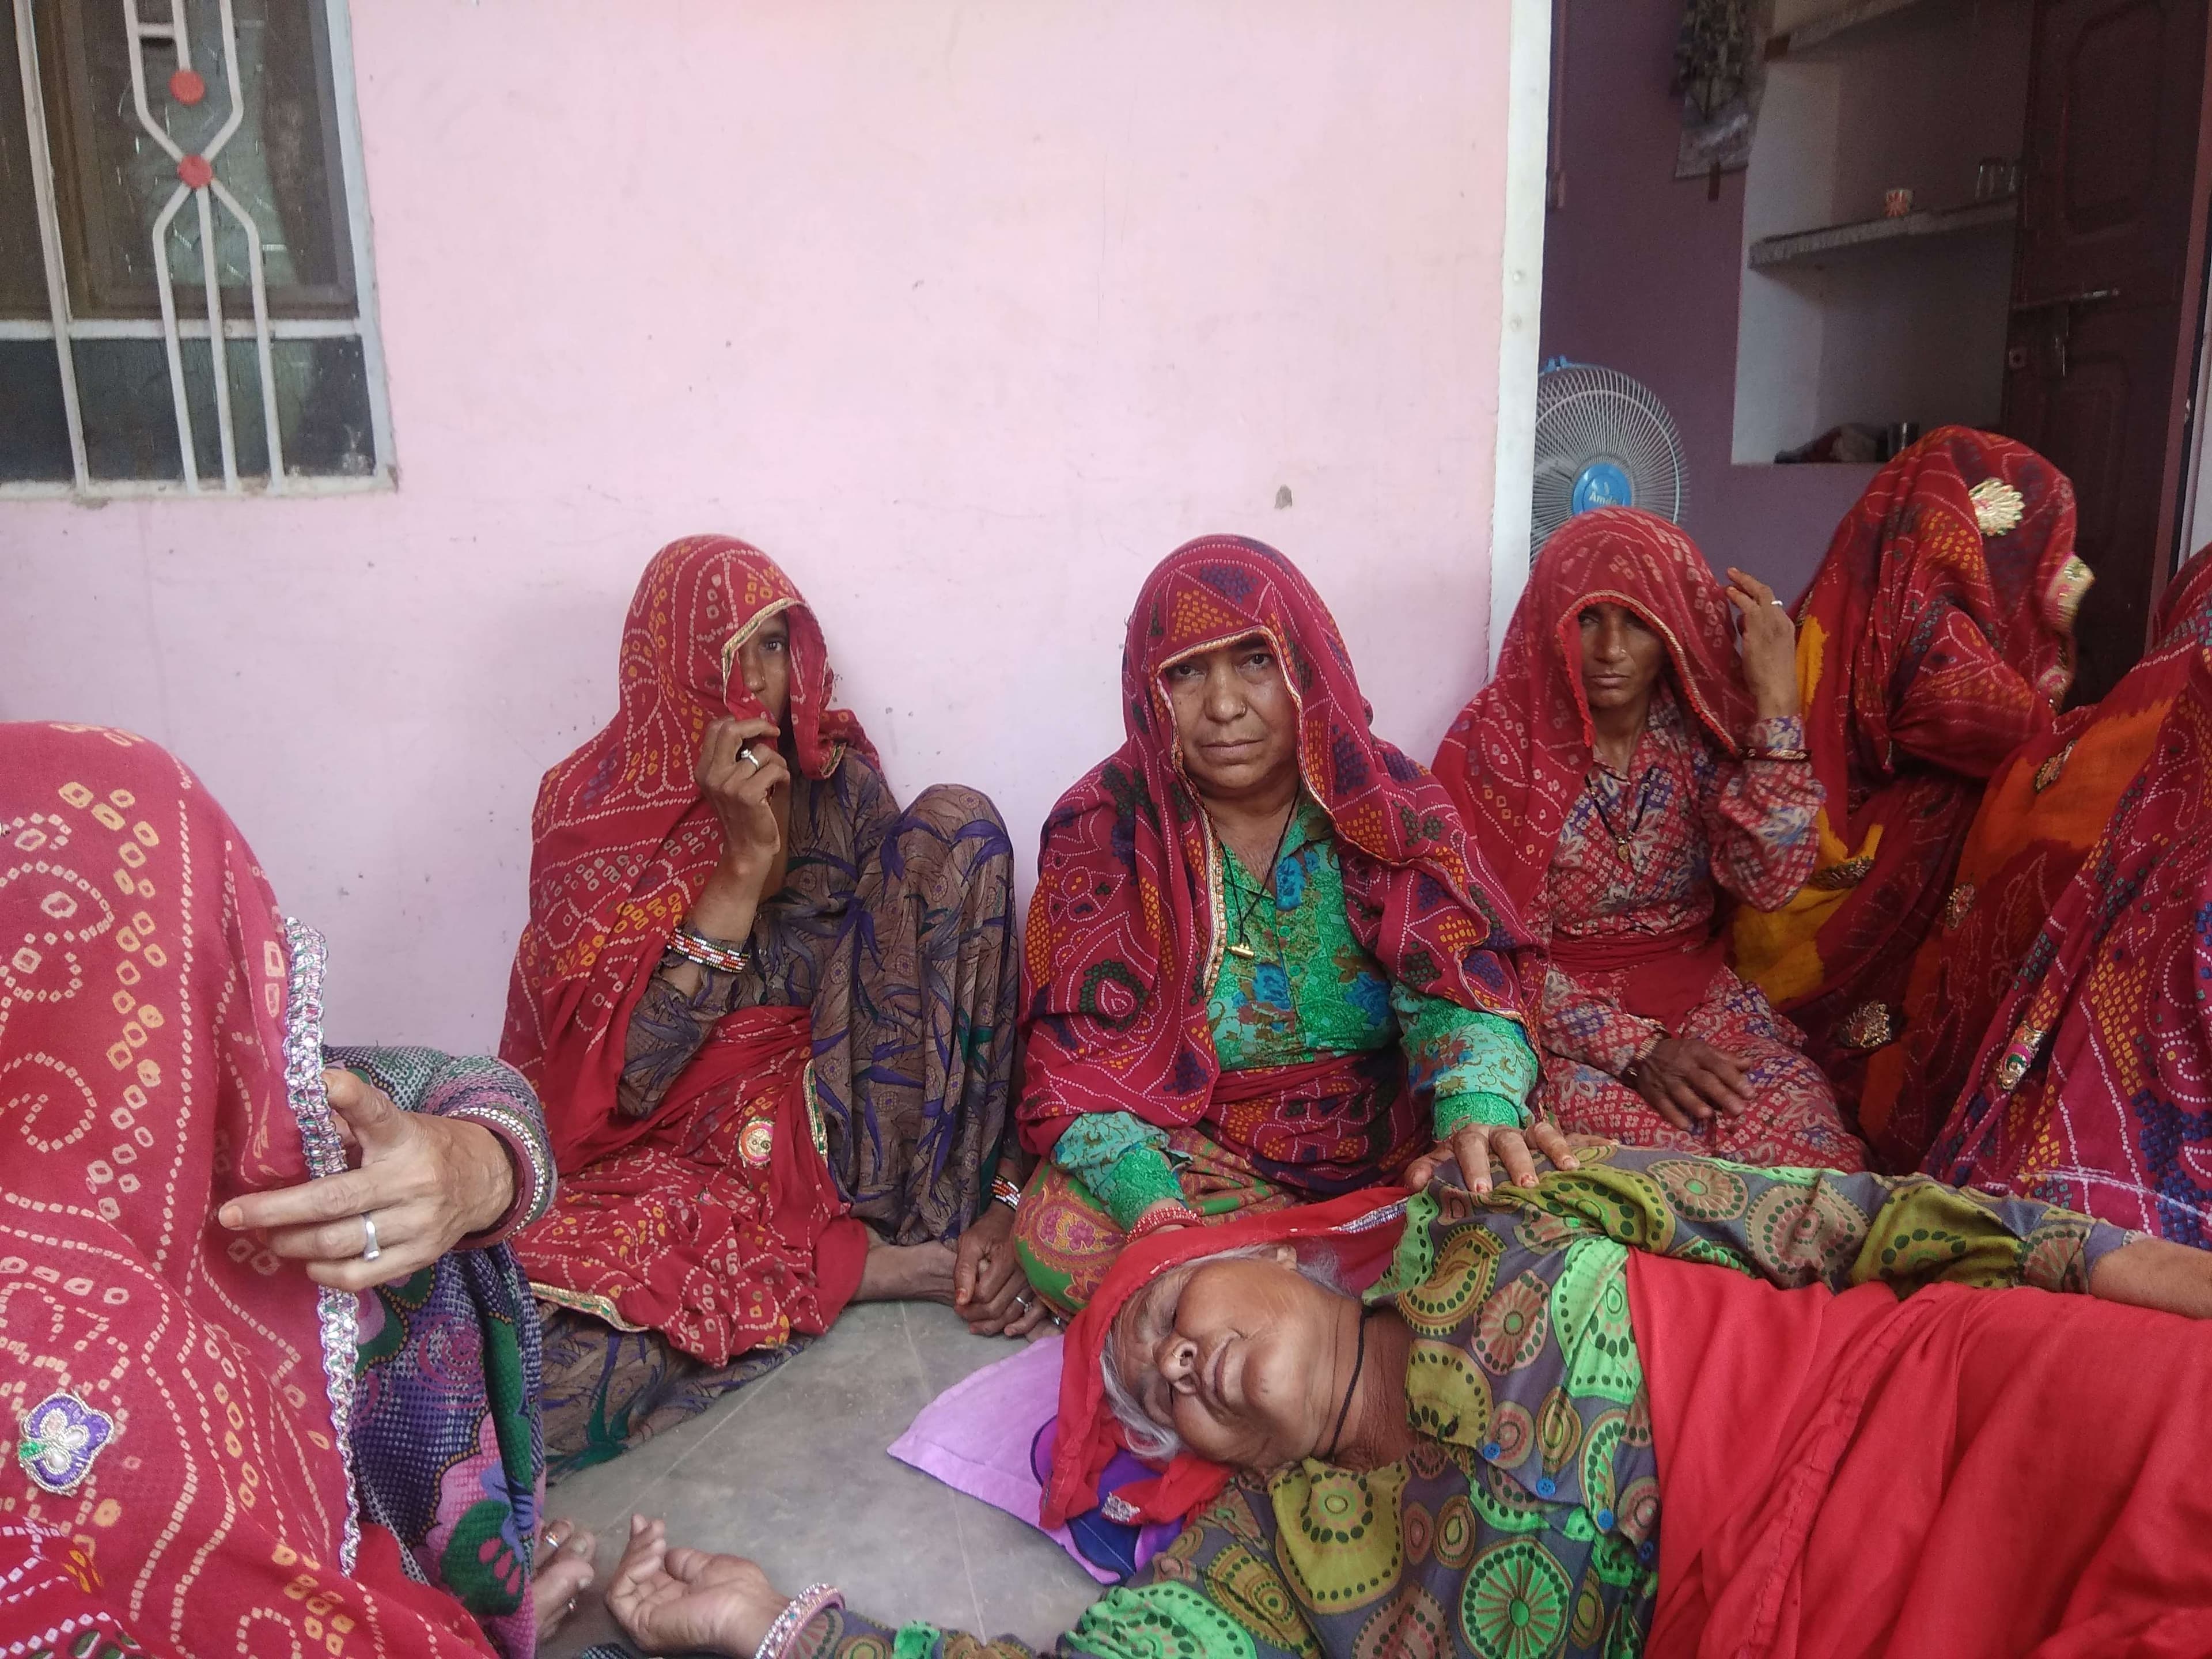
(1124, 935)
(1956, 569)
(2183, 612)
(1516, 758)
(183, 1396)
(622, 841)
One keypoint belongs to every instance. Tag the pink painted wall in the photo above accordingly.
(1642, 274)
(968, 312)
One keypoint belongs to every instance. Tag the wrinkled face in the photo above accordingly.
(1235, 719)
(764, 664)
(1239, 1357)
(1621, 657)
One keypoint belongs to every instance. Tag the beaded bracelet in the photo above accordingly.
(804, 1609)
(1005, 1192)
(716, 953)
(1159, 1221)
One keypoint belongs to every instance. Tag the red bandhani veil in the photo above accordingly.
(1122, 943)
(1356, 1232)
(1517, 757)
(1935, 639)
(191, 1391)
(622, 841)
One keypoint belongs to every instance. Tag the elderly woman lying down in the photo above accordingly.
(1654, 1405)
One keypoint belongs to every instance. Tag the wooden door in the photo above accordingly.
(2107, 289)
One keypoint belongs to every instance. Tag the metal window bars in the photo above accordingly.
(198, 183)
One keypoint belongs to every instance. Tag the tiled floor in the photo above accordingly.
(793, 1471)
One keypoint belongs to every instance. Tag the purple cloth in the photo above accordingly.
(991, 1435)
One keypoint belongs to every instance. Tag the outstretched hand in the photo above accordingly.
(682, 1601)
(426, 1181)
(1477, 1148)
(1770, 645)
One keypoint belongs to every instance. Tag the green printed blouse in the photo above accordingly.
(1525, 1523)
(1305, 989)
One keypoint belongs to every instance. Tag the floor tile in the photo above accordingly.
(794, 1471)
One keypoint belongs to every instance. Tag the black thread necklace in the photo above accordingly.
(1624, 840)
(1241, 946)
(1359, 1359)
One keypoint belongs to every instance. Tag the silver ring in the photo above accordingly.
(1777, 601)
(371, 1250)
(746, 753)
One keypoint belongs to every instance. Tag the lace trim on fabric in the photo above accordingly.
(337, 1312)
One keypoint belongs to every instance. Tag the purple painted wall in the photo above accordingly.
(1641, 274)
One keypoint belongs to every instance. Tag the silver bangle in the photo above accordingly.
(800, 1612)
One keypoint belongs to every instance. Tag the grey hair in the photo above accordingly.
(1153, 1442)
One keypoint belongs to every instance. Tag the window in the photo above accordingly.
(174, 173)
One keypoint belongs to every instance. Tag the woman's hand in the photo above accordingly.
(1770, 646)
(426, 1182)
(740, 773)
(2156, 1272)
(1686, 1081)
(683, 1601)
(989, 1289)
(1476, 1147)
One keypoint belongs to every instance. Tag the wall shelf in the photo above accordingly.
(1823, 31)
(1803, 244)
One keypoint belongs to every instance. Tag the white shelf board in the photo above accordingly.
(1801, 245)
(1825, 31)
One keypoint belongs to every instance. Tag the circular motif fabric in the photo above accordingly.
(1505, 1505)
(1420, 1533)
(1510, 1331)
(1456, 1532)
(1794, 1229)
(1166, 1621)
(1605, 1363)
(1341, 1542)
(1704, 1191)
(1601, 1445)
(1466, 1268)
(1410, 1625)
(1251, 1590)
(1447, 1396)
(1512, 1431)
(1558, 1430)
(1515, 1605)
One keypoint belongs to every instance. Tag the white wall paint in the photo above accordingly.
(967, 311)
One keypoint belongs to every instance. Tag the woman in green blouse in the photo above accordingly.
(1657, 1405)
(1262, 965)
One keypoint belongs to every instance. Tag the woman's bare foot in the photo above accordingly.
(908, 1273)
(564, 1571)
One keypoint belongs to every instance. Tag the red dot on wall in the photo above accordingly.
(187, 87)
(195, 172)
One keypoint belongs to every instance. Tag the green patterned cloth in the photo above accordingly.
(1308, 989)
(1525, 1523)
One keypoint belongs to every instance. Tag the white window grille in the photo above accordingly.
(174, 174)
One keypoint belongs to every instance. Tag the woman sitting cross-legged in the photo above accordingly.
(771, 1014)
(1263, 966)
(269, 1364)
(1657, 1405)
(1625, 770)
